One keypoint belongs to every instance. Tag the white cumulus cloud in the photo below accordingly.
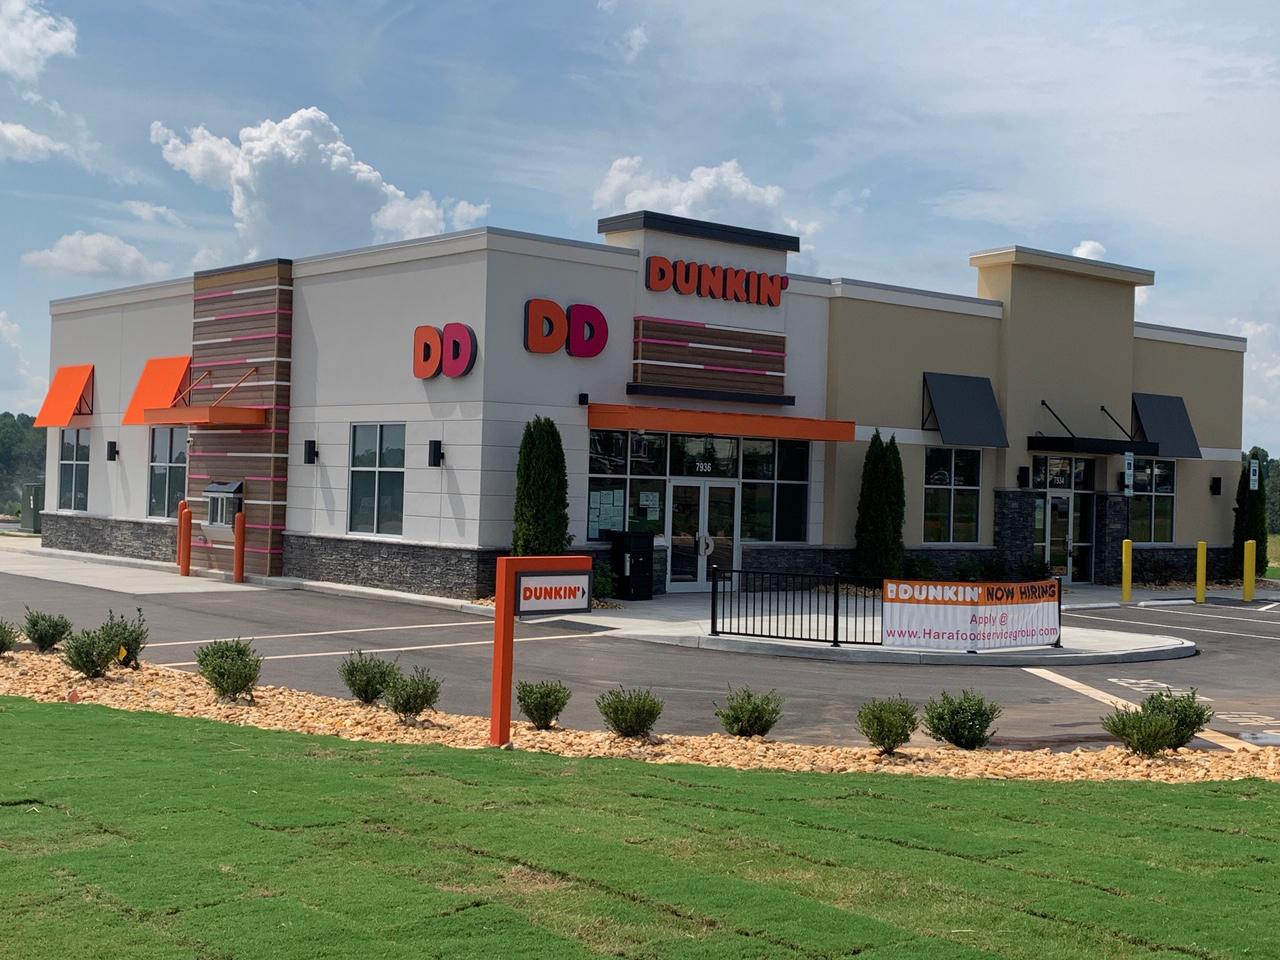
(97, 255)
(635, 41)
(1089, 249)
(22, 143)
(152, 213)
(29, 36)
(723, 193)
(296, 187)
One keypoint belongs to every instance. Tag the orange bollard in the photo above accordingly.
(237, 554)
(184, 544)
(182, 508)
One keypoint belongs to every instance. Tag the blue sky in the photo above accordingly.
(143, 139)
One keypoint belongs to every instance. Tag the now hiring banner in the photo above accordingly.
(970, 616)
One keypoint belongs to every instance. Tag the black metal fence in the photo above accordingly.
(821, 607)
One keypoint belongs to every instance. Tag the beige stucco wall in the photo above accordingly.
(878, 353)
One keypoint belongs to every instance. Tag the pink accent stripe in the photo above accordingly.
(262, 550)
(279, 479)
(707, 346)
(759, 373)
(232, 363)
(682, 323)
(198, 476)
(247, 313)
(265, 526)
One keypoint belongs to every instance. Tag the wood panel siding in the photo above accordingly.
(244, 319)
(691, 356)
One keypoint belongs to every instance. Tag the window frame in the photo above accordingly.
(79, 487)
(1151, 496)
(170, 464)
(380, 473)
(952, 488)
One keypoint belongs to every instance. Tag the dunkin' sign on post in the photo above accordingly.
(560, 592)
(970, 616)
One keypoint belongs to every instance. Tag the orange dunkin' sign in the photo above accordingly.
(451, 351)
(581, 331)
(718, 283)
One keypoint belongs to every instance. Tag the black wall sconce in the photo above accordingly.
(113, 450)
(435, 453)
(1024, 477)
(310, 452)
(583, 400)
(1215, 486)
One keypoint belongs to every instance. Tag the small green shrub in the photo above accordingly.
(967, 568)
(747, 713)
(128, 637)
(963, 721)
(45, 630)
(919, 567)
(367, 676)
(408, 695)
(1163, 721)
(542, 702)
(602, 581)
(888, 723)
(8, 637)
(231, 667)
(89, 652)
(629, 713)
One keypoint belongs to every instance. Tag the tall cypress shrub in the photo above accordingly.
(541, 521)
(1251, 515)
(877, 532)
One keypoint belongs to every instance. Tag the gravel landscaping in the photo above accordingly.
(45, 678)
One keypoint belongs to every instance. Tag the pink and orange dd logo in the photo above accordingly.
(581, 331)
(451, 351)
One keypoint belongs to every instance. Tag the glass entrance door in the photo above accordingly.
(1059, 536)
(703, 533)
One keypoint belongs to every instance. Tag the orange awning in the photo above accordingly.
(161, 381)
(214, 415)
(71, 393)
(609, 416)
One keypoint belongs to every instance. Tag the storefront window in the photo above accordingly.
(1151, 507)
(606, 506)
(952, 484)
(645, 505)
(648, 454)
(757, 511)
(377, 479)
(73, 470)
(608, 452)
(704, 456)
(168, 478)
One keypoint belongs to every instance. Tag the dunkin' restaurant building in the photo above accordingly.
(364, 409)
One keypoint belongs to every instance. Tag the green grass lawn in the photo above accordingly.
(1273, 556)
(139, 836)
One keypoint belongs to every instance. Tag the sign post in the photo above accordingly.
(1253, 475)
(529, 585)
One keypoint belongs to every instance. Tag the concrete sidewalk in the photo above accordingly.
(680, 619)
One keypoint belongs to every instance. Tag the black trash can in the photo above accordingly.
(632, 560)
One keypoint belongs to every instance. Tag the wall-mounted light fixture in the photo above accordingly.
(583, 400)
(1215, 486)
(113, 450)
(1024, 477)
(435, 453)
(310, 452)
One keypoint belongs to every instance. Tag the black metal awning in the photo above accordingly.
(1163, 420)
(1099, 445)
(964, 410)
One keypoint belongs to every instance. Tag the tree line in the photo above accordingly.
(22, 448)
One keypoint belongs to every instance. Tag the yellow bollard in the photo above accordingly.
(1126, 571)
(1250, 571)
(1202, 567)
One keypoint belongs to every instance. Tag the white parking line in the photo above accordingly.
(329, 633)
(425, 646)
(1269, 606)
(1221, 616)
(1147, 623)
(1213, 736)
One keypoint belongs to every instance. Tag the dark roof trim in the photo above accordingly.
(698, 229)
(964, 409)
(272, 262)
(1099, 445)
(1163, 419)
(228, 487)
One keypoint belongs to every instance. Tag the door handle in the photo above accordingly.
(705, 546)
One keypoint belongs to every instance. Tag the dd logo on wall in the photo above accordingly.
(451, 351)
(581, 331)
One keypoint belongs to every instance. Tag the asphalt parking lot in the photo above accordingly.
(304, 635)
